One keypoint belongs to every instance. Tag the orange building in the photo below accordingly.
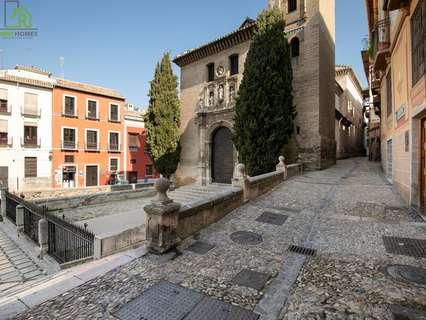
(88, 133)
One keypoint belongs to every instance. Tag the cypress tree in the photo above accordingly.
(264, 110)
(163, 119)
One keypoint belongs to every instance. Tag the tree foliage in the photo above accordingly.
(163, 119)
(264, 111)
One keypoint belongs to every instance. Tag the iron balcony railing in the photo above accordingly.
(6, 142)
(113, 147)
(380, 37)
(69, 113)
(69, 145)
(30, 142)
(5, 108)
(91, 146)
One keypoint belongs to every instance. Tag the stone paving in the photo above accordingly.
(16, 267)
(342, 212)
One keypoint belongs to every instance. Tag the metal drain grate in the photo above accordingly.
(405, 246)
(302, 250)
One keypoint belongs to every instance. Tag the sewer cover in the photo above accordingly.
(246, 238)
(405, 246)
(200, 247)
(272, 218)
(409, 274)
(164, 301)
(209, 309)
(251, 279)
(403, 313)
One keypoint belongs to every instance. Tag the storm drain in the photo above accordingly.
(167, 301)
(251, 279)
(246, 238)
(410, 274)
(200, 247)
(302, 250)
(405, 246)
(272, 218)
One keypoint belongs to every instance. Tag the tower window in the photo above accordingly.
(233, 61)
(210, 72)
(292, 5)
(295, 47)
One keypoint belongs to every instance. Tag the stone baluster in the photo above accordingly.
(19, 218)
(162, 220)
(43, 236)
(241, 180)
(282, 167)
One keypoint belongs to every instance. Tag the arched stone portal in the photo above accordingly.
(222, 156)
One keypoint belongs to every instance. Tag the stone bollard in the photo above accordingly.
(19, 218)
(2, 202)
(282, 167)
(241, 180)
(43, 236)
(162, 220)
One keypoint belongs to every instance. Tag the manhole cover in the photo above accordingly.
(409, 274)
(251, 279)
(404, 313)
(200, 247)
(405, 246)
(272, 218)
(246, 238)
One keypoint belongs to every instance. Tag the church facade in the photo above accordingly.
(212, 73)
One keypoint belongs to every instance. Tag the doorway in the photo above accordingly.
(91, 176)
(222, 156)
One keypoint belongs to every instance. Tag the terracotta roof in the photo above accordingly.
(342, 70)
(33, 69)
(31, 82)
(84, 87)
(244, 33)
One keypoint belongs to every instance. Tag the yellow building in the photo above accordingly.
(395, 65)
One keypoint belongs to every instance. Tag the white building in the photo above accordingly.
(26, 128)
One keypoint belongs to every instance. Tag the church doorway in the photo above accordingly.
(222, 162)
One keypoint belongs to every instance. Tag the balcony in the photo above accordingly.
(113, 147)
(30, 112)
(92, 117)
(5, 109)
(69, 145)
(91, 146)
(380, 49)
(6, 142)
(395, 4)
(30, 142)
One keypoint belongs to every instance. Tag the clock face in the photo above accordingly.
(220, 70)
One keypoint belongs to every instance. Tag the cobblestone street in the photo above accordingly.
(343, 213)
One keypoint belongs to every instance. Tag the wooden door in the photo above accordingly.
(222, 156)
(423, 163)
(91, 176)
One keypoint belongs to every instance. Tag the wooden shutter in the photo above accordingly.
(30, 167)
(30, 104)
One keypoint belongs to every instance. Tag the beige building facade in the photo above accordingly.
(398, 92)
(212, 73)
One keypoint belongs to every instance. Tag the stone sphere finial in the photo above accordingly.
(241, 169)
(281, 159)
(162, 185)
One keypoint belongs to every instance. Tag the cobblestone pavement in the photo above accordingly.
(342, 212)
(16, 267)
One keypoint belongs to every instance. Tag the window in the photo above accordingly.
(3, 133)
(69, 138)
(418, 41)
(30, 135)
(30, 104)
(292, 5)
(295, 47)
(233, 64)
(389, 93)
(148, 170)
(3, 100)
(69, 159)
(132, 161)
(210, 72)
(30, 167)
(69, 106)
(114, 113)
(113, 164)
(92, 140)
(92, 110)
(133, 141)
(114, 141)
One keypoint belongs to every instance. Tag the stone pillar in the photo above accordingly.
(241, 180)
(3, 202)
(202, 164)
(300, 161)
(43, 236)
(162, 220)
(19, 218)
(281, 166)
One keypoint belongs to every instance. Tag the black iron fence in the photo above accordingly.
(66, 242)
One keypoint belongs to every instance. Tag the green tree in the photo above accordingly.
(163, 119)
(264, 111)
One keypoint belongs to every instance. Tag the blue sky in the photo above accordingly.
(116, 44)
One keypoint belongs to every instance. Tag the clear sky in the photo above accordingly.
(116, 44)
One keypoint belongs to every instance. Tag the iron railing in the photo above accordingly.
(381, 36)
(12, 202)
(69, 145)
